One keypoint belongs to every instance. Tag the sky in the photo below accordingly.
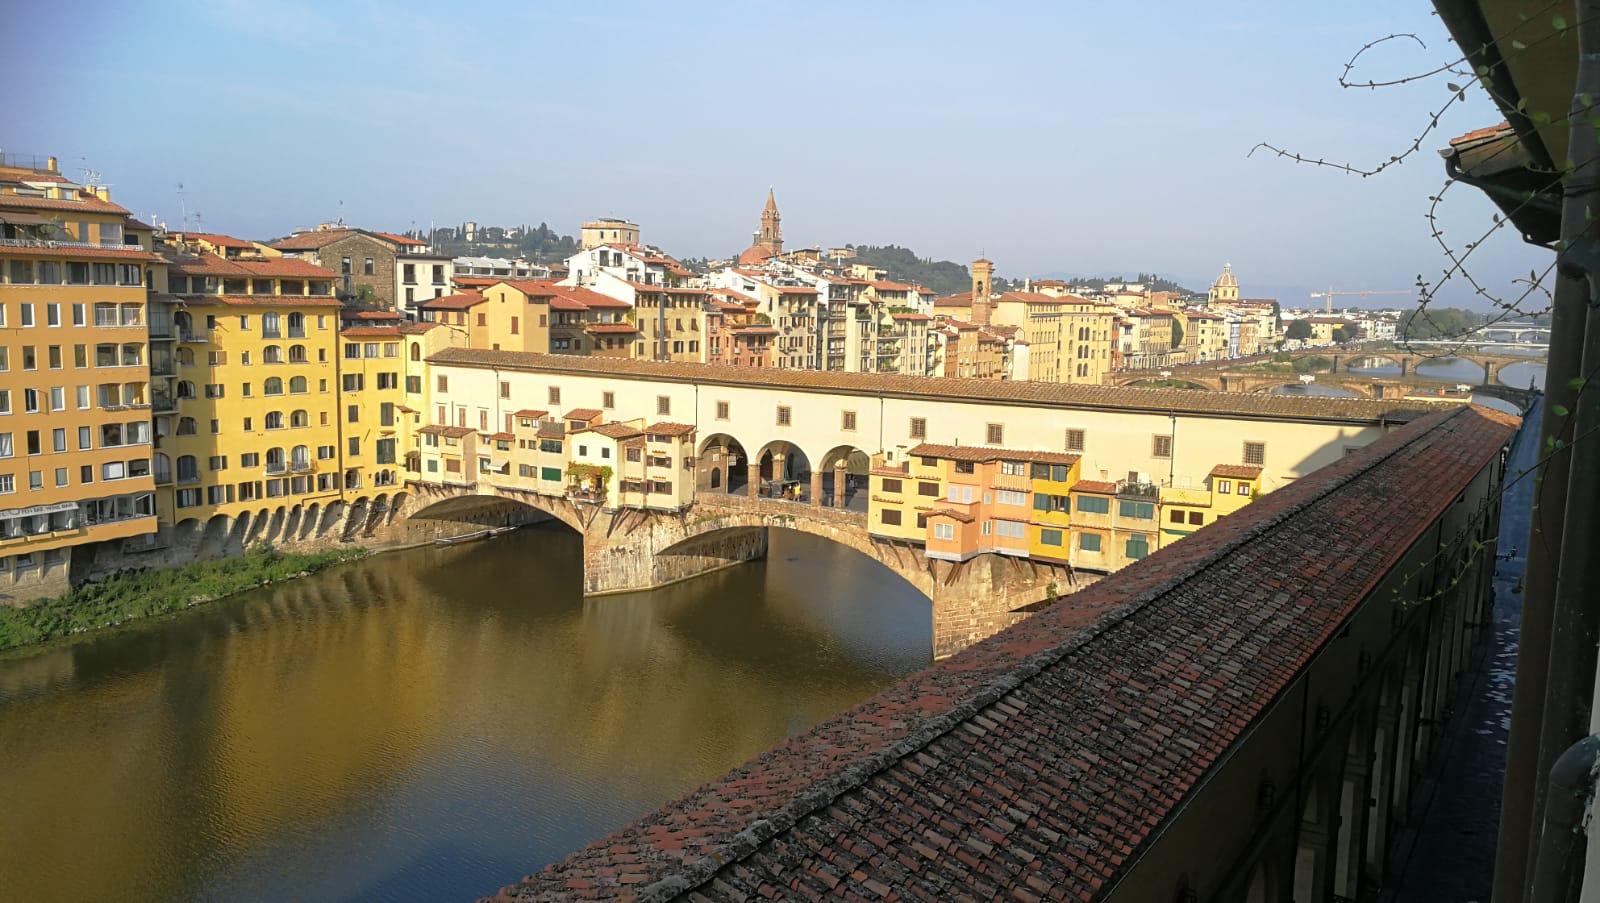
(1053, 137)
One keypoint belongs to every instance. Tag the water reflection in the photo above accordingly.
(422, 725)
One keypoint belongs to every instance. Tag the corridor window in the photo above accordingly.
(848, 421)
(996, 434)
(722, 410)
(1255, 453)
(1161, 446)
(919, 428)
(663, 405)
(783, 415)
(1074, 440)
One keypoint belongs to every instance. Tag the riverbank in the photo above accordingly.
(136, 595)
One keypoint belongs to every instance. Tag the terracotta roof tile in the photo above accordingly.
(615, 430)
(530, 413)
(1226, 404)
(978, 454)
(458, 301)
(1096, 487)
(582, 414)
(452, 432)
(1064, 743)
(88, 204)
(611, 328)
(669, 429)
(261, 301)
(953, 514)
(87, 252)
(1237, 471)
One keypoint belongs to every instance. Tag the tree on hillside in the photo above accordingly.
(1344, 334)
(1437, 323)
(1298, 329)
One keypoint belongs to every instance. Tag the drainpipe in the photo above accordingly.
(1558, 853)
(1574, 621)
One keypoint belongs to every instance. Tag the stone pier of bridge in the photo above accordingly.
(633, 550)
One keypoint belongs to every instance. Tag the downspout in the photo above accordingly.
(1558, 854)
(1574, 618)
(1528, 756)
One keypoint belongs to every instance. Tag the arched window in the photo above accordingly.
(274, 460)
(300, 457)
(188, 469)
(272, 354)
(297, 325)
(297, 354)
(185, 389)
(297, 385)
(416, 351)
(299, 419)
(186, 426)
(162, 465)
(274, 420)
(273, 386)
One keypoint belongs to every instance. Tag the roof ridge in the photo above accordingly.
(744, 842)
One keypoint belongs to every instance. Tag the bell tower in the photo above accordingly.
(982, 287)
(770, 235)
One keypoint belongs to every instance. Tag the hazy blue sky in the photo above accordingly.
(1071, 136)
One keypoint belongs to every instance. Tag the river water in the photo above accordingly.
(429, 724)
(1451, 368)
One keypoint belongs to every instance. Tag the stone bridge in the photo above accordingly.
(632, 549)
(1244, 375)
(1250, 715)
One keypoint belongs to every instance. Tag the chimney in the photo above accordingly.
(51, 164)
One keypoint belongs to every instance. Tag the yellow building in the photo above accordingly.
(250, 418)
(902, 492)
(515, 316)
(372, 402)
(1228, 488)
(1049, 528)
(75, 438)
(672, 323)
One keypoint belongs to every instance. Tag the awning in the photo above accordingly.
(36, 510)
(23, 219)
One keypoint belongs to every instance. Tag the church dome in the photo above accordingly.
(755, 254)
(1226, 280)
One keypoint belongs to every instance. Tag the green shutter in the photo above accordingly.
(1041, 502)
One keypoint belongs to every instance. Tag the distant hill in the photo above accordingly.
(1150, 280)
(540, 243)
(946, 277)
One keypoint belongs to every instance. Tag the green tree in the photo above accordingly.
(1344, 334)
(1437, 323)
(1298, 329)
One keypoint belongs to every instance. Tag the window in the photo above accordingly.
(1160, 446)
(931, 490)
(961, 494)
(608, 400)
(722, 410)
(443, 383)
(996, 434)
(783, 415)
(355, 446)
(1138, 510)
(1225, 487)
(554, 394)
(354, 382)
(1050, 538)
(663, 405)
(890, 517)
(1094, 504)
(1014, 468)
(1137, 547)
(1197, 518)
(1074, 440)
(944, 531)
(848, 421)
(1244, 490)
(1089, 542)
(1011, 529)
(919, 428)
(1255, 453)
(1176, 516)
(367, 269)
(550, 473)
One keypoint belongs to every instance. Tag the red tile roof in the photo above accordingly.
(611, 328)
(1236, 471)
(501, 437)
(311, 241)
(1097, 487)
(88, 252)
(614, 430)
(262, 300)
(453, 432)
(245, 268)
(217, 239)
(530, 413)
(669, 429)
(953, 514)
(979, 454)
(85, 204)
(369, 332)
(1045, 760)
(459, 301)
(582, 414)
(1013, 392)
(402, 240)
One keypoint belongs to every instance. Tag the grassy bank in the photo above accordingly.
(132, 595)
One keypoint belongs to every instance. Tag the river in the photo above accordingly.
(429, 724)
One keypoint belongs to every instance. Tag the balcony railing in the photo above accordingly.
(277, 467)
(1133, 490)
(194, 335)
(161, 402)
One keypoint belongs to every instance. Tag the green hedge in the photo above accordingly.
(131, 595)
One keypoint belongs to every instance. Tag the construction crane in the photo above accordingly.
(1327, 296)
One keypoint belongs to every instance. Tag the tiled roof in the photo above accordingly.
(615, 430)
(501, 437)
(1018, 392)
(369, 332)
(582, 414)
(1043, 761)
(953, 514)
(1097, 487)
(260, 267)
(530, 413)
(611, 328)
(453, 432)
(669, 429)
(978, 454)
(1236, 471)
(87, 204)
(87, 252)
(911, 316)
(458, 301)
(311, 241)
(403, 240)
(217, 239)
(261, 301)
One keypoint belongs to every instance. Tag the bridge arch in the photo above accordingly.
(722, 465)
(486, 510)
(845, 470)
(782, 466)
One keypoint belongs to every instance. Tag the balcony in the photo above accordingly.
(301, 467)
(276, 468)
(161, 328)
(196, 336)
(1144, 492)
(162, 402)
(163, 368)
